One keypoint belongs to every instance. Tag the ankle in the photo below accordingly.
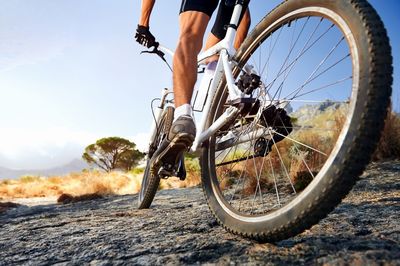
(183, 110)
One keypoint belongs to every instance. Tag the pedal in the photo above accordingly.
(165, 171)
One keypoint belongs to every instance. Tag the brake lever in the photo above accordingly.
(159, 53)
(155, 51)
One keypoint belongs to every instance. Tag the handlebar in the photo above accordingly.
(155, 51)
(160, 51)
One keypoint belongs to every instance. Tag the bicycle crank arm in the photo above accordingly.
(242, 159)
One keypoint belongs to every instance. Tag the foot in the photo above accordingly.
(179, 140)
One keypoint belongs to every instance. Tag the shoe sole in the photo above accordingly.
(173, 152)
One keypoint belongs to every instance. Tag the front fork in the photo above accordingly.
(157, 116)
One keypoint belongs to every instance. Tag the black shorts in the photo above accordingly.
(224, 14)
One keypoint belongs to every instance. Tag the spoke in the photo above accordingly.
(241, 132)
(241, 194)
(251, 145)
(290, 52)
(312, 101)
(325, 86)
(289, 69)
(310, 78)
(237, 185)
(259, 177)
(275, 183)
(230, 149)
(298, 151)
(297, 91)
(302, 144)
(311, 128)
(258, 187)
(234, 164)
(270, 53)
(283, 164)
(241, 177)
(279, 155)
(255, 63)
(297, 58)
(255, 170)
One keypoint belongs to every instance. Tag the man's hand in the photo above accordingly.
(144, 36)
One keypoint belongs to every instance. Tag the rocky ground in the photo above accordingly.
(179, 229)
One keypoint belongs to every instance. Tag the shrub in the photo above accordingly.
(29, 179)
(193, 172)
(389, 143)
(68, 198)
(137, 171)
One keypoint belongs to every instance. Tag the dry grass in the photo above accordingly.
(80, 186)
(75, 184)
(389, 144)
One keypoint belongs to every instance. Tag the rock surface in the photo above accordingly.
(179, 229)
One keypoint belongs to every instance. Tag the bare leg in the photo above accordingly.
(193, 25)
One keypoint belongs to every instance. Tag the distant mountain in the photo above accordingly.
(310, 111)
(75, 165)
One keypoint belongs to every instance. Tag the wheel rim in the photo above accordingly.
(254, 189)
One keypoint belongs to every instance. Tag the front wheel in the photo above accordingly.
(150, 182)
(288, 159)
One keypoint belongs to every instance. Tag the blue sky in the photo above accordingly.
(70, 73)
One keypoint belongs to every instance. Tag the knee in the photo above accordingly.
(190, 40)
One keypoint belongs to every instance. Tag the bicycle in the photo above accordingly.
(281, 142)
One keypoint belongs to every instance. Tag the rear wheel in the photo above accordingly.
(288, 159)
(150, 182)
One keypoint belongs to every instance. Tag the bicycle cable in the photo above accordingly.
(159, 53)
(152, 111)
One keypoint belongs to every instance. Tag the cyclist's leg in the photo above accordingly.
(193, 21)
(193, 25)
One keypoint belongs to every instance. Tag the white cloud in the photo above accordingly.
(41, 148)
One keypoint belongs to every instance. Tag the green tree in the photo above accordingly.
(112, 153)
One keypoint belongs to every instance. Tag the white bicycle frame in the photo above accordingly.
(224, 67)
